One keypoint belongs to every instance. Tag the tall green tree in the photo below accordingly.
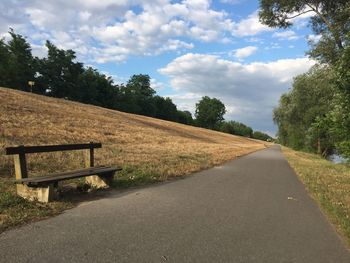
(60, 73)
(138, 96)
(301, 116)
(185, 117)
(340, 114)
(236, 128)
(209, 112)
(165, 109)
(331, 21)
(261, 136)
(4, 65)
(96, 88)
(17, 62)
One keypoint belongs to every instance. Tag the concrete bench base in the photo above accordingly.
(96, 181)
(41, 194)
(45, 194)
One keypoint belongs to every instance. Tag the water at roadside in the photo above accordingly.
(336, 158)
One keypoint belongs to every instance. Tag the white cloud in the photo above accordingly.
(273, 45)
(231, 2)
(249, 90)
(157, 85)
(301, 21)
(39, 50)
(185, 101)
(286, 35)
(244, 52)
(314, 38)
(250, 26)
(112, 30)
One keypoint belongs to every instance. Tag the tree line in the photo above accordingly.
(60, 75)
(315, 114)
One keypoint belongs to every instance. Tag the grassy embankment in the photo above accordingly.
(148, 149)
(328, 184)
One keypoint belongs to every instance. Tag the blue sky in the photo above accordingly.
(190, 48)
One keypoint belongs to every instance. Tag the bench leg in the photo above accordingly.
(43, 194)
(100, 181)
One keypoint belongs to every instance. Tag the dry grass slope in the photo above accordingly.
(160, 147)
(148, 149)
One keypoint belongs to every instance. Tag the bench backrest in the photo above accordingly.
(21, 151)
(51, 148)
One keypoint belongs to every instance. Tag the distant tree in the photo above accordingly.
(209, 112)
(5, 74)
(185, 117)
(141, 84)
(301, 116)
(138, 96)
(96, 88)
(17, 62)
(330, 20)
(340, 114)
(227, 127)
(165, 109)
(261, 136)
(127, 101)
(236, 128)
(60, 73)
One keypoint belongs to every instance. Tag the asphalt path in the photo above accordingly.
(252, 209)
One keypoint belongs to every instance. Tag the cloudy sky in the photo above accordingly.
(190, 48)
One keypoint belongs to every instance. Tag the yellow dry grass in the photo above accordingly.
(160, 147)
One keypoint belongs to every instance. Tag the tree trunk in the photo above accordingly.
(319, 146)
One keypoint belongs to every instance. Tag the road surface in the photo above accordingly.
(252, 209)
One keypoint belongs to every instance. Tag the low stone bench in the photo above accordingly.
(43, 188)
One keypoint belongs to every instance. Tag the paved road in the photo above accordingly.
(239, 212)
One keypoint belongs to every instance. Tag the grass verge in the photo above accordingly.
(328, 184)
(15, 210)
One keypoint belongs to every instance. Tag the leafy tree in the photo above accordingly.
(97, 89)
(165, 109)
(185, 117)
(127, 101)
(59, 73)
(209, 112)
(4, 64)
(236, 128)
(302, 113)
(17, 62)
(261, 136)
(340, 114)
(228, 127)
(137, 96)
(330, 20)
(141, 84)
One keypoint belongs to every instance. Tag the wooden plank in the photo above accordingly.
(89, 157)
(51, 148)
(68, 175)
(20, 166)
(58, 174)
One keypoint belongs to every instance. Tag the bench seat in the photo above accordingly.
(56, 177)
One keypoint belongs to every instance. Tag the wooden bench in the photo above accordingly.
(43, 188)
